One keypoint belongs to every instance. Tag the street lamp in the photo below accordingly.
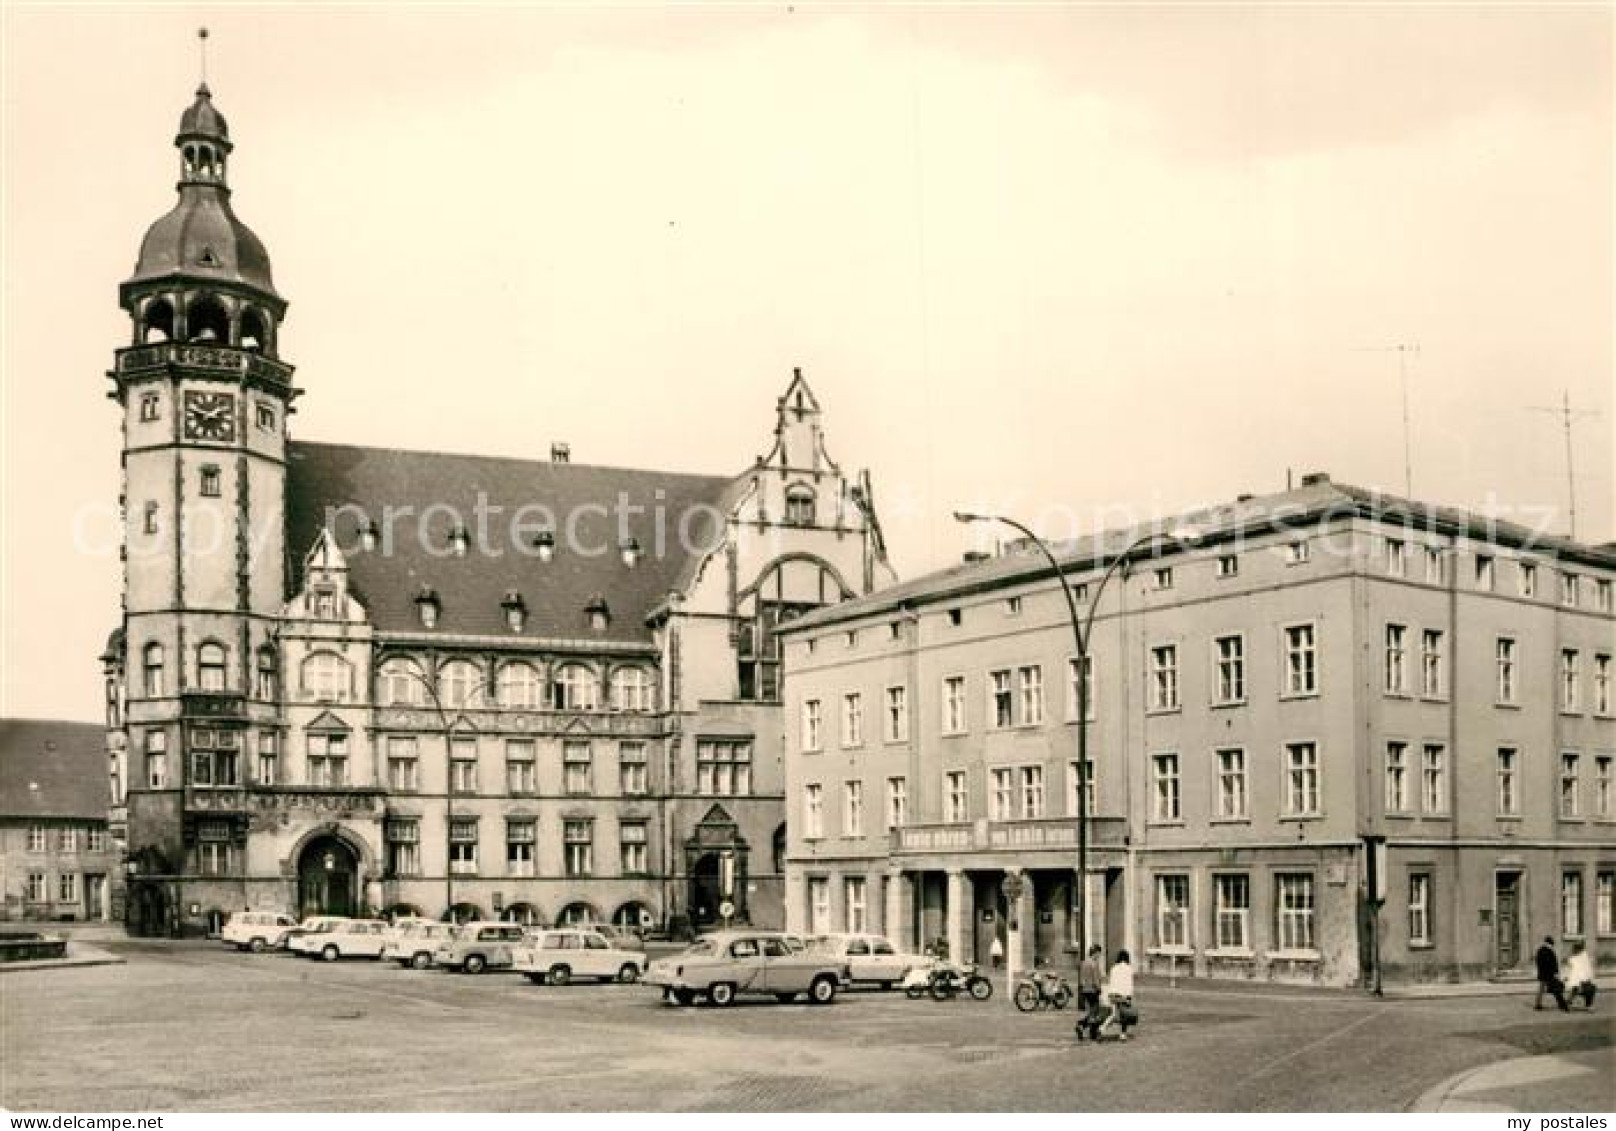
(1082, 630)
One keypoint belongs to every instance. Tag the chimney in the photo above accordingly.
(1315, 478)
(560, 452)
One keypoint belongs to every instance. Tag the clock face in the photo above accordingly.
(210, 416)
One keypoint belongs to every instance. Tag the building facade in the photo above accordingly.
(1313, 679)
(353, 679)
(58, 861)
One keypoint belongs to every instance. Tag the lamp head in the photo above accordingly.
(967, 516)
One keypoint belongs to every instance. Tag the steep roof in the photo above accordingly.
(51, 768)
(417, 498)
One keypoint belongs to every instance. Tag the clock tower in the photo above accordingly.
(205, 399)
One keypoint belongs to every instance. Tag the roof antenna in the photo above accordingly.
(1568, 416)
(202, 48)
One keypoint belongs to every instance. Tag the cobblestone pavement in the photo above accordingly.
(193, 1027)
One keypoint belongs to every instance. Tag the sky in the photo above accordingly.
(1065, 262)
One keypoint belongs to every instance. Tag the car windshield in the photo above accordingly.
(699, 949)
(822, 945)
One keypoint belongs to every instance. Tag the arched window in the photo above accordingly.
(254, 330)
(789, 587)
(206, 320)
(575, 689)
(152, 658)
(326, 677)
(458, 683)
(523, 913)
(631, 689)
(401, 683)
(519, 685)
(268, 672)
(210, 666)
(576, 915)
(800, 505)
(634, 915)
(157, 323)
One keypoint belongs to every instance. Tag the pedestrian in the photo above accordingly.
(1118, 992)
(1548, 976)
(996, 952)
(1088, 994)
(1580, 976)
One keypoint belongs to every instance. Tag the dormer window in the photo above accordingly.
(369, 534)
(324, 601)
(515, 611)
(428, 606)
(800, 506)
(600, 616)
(459, 541)
(631, 552)
(544, 545)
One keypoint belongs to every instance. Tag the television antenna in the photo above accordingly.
(1568, 416)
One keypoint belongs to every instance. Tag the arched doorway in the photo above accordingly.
(148, 911)
(327, 878)
(706, 889)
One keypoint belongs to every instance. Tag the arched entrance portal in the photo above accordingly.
(327, 878)
(706, 891)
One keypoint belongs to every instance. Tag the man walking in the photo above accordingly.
(1088, 994)
(1548, 976)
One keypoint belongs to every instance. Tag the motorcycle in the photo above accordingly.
(945, 980)
(1041, 989)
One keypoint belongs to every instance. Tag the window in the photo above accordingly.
(1228, 565)
(633, 848)
(1434, 779)
(853, 902)
(400, 683)
(1232, 792)
(799, 506)
(148, 522)
(1076, 693)
(325, 677)
(1504, 653)
(96, 840)
(1433, 679)
(459, 683)
(1296, 553)
(575, 689)
(521, 775)
(954, 618)
(518, 685)
(1570, 786)
(36, 887)
(215, 756)
(813, 811)
(632, 689)
(956, 797)
(150, 407)
(1528, 579)
(1396, 557)
(633, 769)
(209, 483)
(577, 773)
(1073, 781)
(1568, 590)
(1231, 664)
(852, 719)
(1602, 595)
(1419, 909)
(1012, 606)
(850, 638)
(897, 802)
(269, 749)
(852, 808)
(578, 843)
(818, 905)
(1231, 911)
(1434, 574)
(723, 767)
(327, 753)
(1396, 659)
(1509, 797)
(1002, 799)
(1301, 661)
(1164, 677)
(403, 764)
(521, 834)
(954, 705)
(1032, 792)
(213, 858)
(1602, 786)
(1397, 777)
(1570, 680)
(1173, 912)
(1571, 904)
(268, 682)
(156, 760)
(1162, 578)
(811, 739)
(1030, 685)
(1602, 684)
(210, 660)
(1001, 700)
(266, 418)
(403, 847)
(1484, 572)
(1302, 779)
(463, 846)
(1164, 772)
(152, 657)
(1605, 903)
(1293, 902)
(37, 838)
(897, 714)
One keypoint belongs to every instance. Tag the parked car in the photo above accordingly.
(623, 938)
(480, 946)
(350, 938)
(298, 937)
(559, 955)
(257, 930)
(413, 943)
(869, 959)
(723, 965)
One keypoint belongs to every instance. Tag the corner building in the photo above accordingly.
(1310, 676)
(354, 680)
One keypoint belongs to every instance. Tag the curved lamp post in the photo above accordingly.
(1082, 630)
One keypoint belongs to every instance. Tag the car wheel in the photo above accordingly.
(560, 975)
(914, 993)
(257, 946)
(330, 953)
(822, 991)
(421, 961)
(475, 964)
(629, 974)
(721, 993)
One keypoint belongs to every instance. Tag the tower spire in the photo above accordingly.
(202, 50)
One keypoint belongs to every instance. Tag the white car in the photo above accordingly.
(348, 938)
(476, 947)
(559, 955)
(257, 930)
(869, 959)
(413, 943)
(298, 939)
